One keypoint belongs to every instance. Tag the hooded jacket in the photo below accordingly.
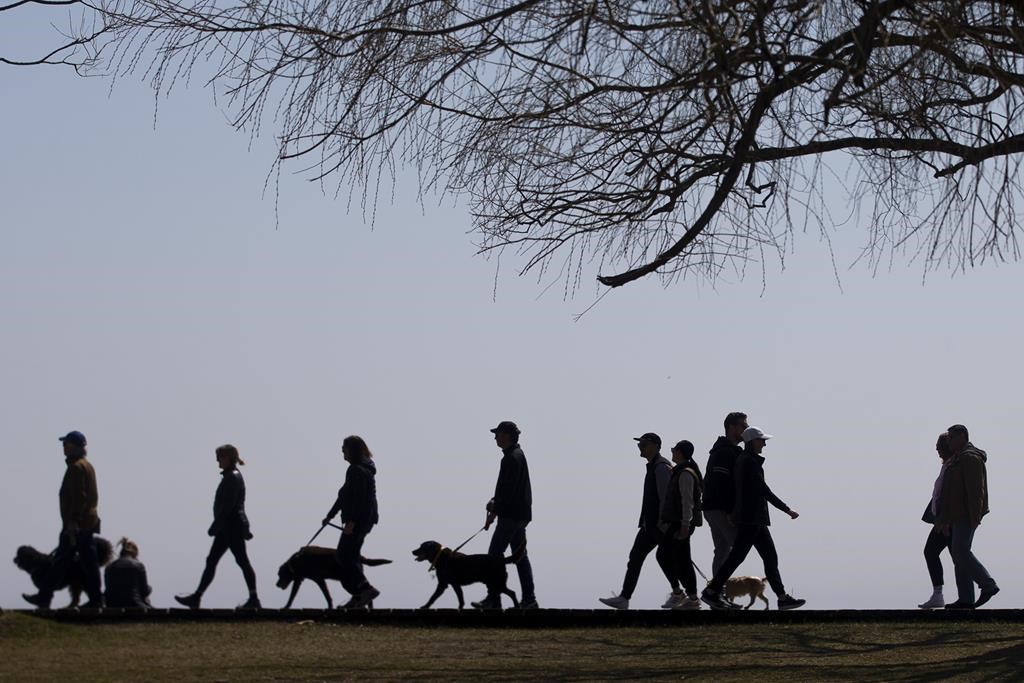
(964, 496)
(752, 492)
(719, 486)
(229, 506)
(357, 497)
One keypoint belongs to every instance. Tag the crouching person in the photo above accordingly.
(125, 577)
(680, 515)
(357, 503)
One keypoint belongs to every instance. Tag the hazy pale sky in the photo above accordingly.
(148, 299)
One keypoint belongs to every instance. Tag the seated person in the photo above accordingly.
(125, 578)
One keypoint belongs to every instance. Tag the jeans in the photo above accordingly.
(751, 536)
(223, 542)
(723, 535)
(643, 544)
(933, 547)
(512, 533)
(966, 567)
(75, 548)
(350, 559)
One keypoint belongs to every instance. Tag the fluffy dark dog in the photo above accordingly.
(38, 565)
(316, 564)
(458, 570)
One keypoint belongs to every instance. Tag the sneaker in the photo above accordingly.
(252, 603)
(529, 603)
(787, 601)
(672, 600)
(687, 603)
(986, 595)
(934, 602)
(616, 602)
(39, 600)
(713, 599)
(487, 603)
(960, 605)
(364, 598)
(94, 604)
(190, 600)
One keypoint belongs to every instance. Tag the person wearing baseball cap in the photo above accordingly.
(751, 517)
(650, 534)
(79, 500)
(511, 506)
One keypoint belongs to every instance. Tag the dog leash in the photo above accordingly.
(310, 542)
(702, 575)
(470, 539)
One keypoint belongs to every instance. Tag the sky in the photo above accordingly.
(155, 298)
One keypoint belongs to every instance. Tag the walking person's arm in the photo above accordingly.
(686, 486)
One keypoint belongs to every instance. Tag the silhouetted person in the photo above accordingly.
(511, 506)
(230, 530)
(79, 500)
(649, 535)
(962, 504)
(125, 577)
(680, 515)
(357, 502)
(937, 541)
(720, 487)
(751, 518)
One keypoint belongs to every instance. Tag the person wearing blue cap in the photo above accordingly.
(79, 500)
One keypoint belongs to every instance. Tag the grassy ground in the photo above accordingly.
(35, 649)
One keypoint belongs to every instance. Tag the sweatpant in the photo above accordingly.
(933, 547)
(223, 542)
(723, 535)
(350, 559)
(966, 567)
(511, 534)
(643, 544)
(751, 536)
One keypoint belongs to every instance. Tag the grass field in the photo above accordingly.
(35, 649)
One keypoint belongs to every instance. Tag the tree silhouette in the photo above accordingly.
(668, 137)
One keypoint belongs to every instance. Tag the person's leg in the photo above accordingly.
(765, 546)
(643, 544)
(217, 550)
(723, 535)
(237, 546)
(966, 567)
(683, 565)
(85, 544)
(933, 548)
(501, 539)
(523, 565)
(349, 557)
(664, 558)
(740, 548)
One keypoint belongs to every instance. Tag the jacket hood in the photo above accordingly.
(971, 449)
(366, 464)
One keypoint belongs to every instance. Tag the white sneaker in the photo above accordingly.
(672, 600)
(616, 601)
(934, 602)
(687, 603)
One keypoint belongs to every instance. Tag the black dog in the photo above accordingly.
(458, 570)
(316, 564)
(38, 565)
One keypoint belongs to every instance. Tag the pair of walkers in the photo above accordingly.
(356, 501)
(959, 501)
(676, 499)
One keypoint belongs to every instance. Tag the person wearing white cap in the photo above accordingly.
(752, 521)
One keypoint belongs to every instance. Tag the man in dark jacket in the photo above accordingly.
(720, 488)
(127, 584)
(962, 504)
(650, 534)
(511, 506)
(750, 515)
(79, 501)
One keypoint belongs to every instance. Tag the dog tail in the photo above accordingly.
(373, 563)
(517, 555)
(104, 551)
